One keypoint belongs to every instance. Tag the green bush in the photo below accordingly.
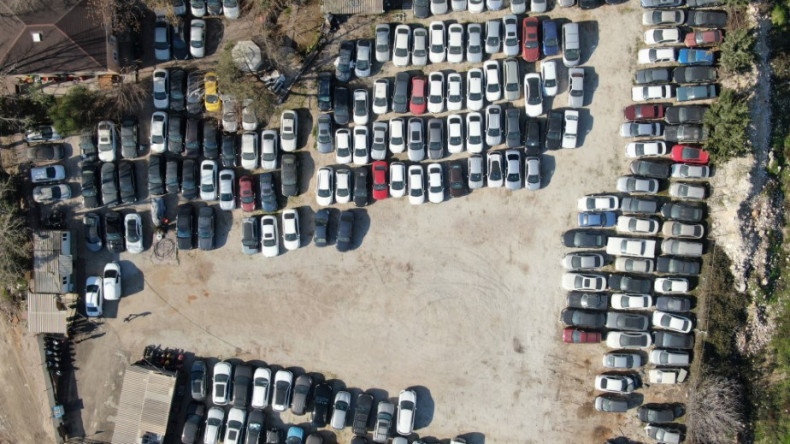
(737, 50)
(21, 112)
(727, 122)
(779, 15)
(76, 110)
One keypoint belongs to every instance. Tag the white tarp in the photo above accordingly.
(247, 56)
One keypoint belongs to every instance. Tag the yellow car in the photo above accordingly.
(211, 98)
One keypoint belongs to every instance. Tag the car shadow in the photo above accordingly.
(590, 84)
(425, 407)
(361, 227)
(548, 165)
(306, 170)
(589, 35)
(133, 279)
(585, 126)
(306, 224)
(474, 438)
(305, 127)
(222, 226)
(215, 31)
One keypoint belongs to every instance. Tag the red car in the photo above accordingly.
(689, 154)
(704, 38)
(380, 188)
(418, 103)
(576, 336)
(246, 193)
(531, 50)
(642, 112)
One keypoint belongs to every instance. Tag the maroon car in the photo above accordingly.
(576, 336)
(642, 112)
(703, 38)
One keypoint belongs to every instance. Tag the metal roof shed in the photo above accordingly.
(144, 406)
(52, 262)
(49, 313)
(348, 7)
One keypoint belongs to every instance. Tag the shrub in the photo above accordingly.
(737, 50)
(232, 81)
(76, 110)
(727, 122)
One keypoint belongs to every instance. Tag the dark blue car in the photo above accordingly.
(597, 219)
(551, 40)
(266, 192)
(695, 57)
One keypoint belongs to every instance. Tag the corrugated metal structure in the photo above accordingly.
(49, 313)
(52, 262)
(144, 407)
(348, 7)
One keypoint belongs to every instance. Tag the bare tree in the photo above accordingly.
(126, 98)
(714, 413)
(15, 250)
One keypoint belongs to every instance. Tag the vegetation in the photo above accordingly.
(737, 50)
(232, 81)
(127, 98)
(714, 410)
(21, 112)
(727, 122)
(76, 110)
(15, 249)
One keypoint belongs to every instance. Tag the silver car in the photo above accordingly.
(455, 43)
(512, 87)
(532, 172)
(513, 170)
(438, 48)
(416, 145)
(510, 42)
(324, 134)
(383, 423)
(378, 148)
(576, 87)
(476, 173)
(400, 50)
(493, 125)
(382, 43)
(419, 47)
(474, 43)
(288, 130)
(364, 58)
(493, 36)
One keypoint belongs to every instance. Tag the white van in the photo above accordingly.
(571, 45)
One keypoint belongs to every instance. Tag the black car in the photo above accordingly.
(324, 91)
(683, 212)
(344, 58)
(322, 397)
(242, 385)
(588, 301)
(171, 176)
(532, 144)
(113, 232)
(361, 195)
(189, 186)
(694, 74)
(706, 19)
(91, 231)
(109, 185)
(400, 92)
(197, 374)
(177, 92)
(46, 152)
(129, 140)
(457, 181)
(342, 113)
(156, 180)
(513, 136)
(210, 144)
(180, 46)
(421, 8)
(126, 182)
(321, 236)
(686, 133)
(301, 394)
(193, 423)
(630, 284)
(585, 238)
(228, 150)
(673, 303)
(266, 192)
(581, 318)
(205, 228)
(554, 130)
(659, 413)
(589, 4)
(685, 114)
(345, 231)
(184, 227)
(362, 409)
(175, 135)
(88, 150)
(650, 168)
(192, 138)
(670, 339)
(90, 190)
(639, 205)
(254, 427)
(195, 92)
(652, 76)
(289, 178)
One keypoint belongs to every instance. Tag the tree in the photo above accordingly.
(24, 111)
(15, 249)
(232, 81)
(126, 98)
(714, 412)
(727, 122)
(76, 110)
(737, 50)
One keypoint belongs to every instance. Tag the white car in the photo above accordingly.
(647, 148)
(230, 9)
(672, 322)
(510, 42)
(133, 233)
(648, 56)
(94, 301)
(533, 95)
(234, 426)
(663, 434)
(53, 173)
(667, 375)
(455, 97)
(532, 177)
(621, 339)
(419, 46)
(512, 170)
(474, 132)
(343, 145)
(671, 285)
(474, 43)
(261, 381)
(548, 70)
(630, 246)
(197, 7)
(223, 373)
(455, 43)
(436, 92)
(269, 149)
(291, 231)
(688, 191)
(575, 87)
(494, 123)
(213, 425)
(107, 141)
(397, 143)
(458, 5)
(637, 225)
(227, 184)
(476, 6)
(382, 43)
(208, 180)
(615, 383)
(381, 96)
(400, 49)
(455, 134)
(518, 6)
(493, 36)
(684, 171)
(197, 38)
(438, 50)
(635, 184)
(495, 169)
(599, 203)
(161, 92)
(271, 246)
(324, 189)
(494, 5)
(475, 171)
(343, 185)
(570, 129)
(361, 154)
(583, 282)
(656, 92)
(249, 120)
(361, 107)
(659, 36)
(493, 81)
(474, 89)
(158, 138)
(288, 130)
(627, 301)
(397, 179)
(407, 405)
(111, 281)
(435, 183)
(666, 358)
(340, 408)
(249, 150)
(439, 7)
(622, 360)
(539, 6)
(416, 185)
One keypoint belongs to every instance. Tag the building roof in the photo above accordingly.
(71, 39)
(144, 406)
(48, 313)
(347, 7)
(52, 261)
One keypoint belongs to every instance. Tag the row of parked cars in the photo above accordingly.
(177, 40)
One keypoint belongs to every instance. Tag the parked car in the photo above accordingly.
(364, 58)
(283, 380)
(583, 261)
(383, 423)
(671, 285)
(706, 19)
(615, 383)
(683, 212)
(669, 339)
(270, 237)
(576, 336)
(622, 360)
(696, 92)
(205, 228)
(620, 339)
(289, 177)
(343, 62)
(345, 231)
(340, 408)
(630, 284)
(611, 404)
(627, 321)
(630, 301)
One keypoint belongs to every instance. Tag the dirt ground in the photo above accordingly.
(460, 300)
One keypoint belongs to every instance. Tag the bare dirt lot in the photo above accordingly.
(459, 299)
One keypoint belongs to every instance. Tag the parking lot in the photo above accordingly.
(460, 299)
